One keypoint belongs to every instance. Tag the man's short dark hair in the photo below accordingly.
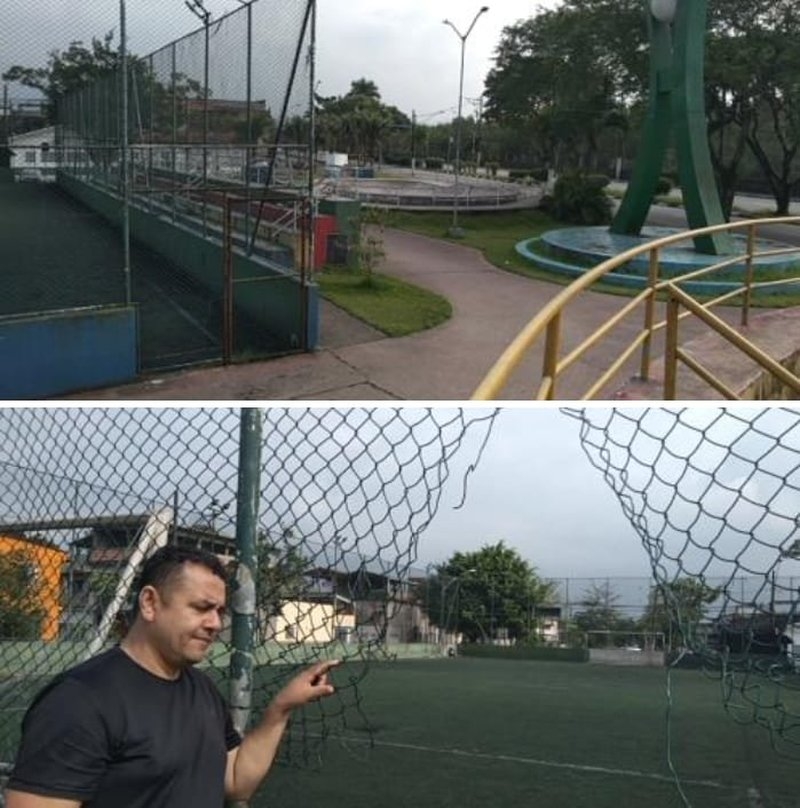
(163, 566)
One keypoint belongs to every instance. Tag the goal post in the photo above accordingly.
(153, 535)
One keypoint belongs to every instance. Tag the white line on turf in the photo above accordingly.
(532, 761)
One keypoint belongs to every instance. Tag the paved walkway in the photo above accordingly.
(355, 362)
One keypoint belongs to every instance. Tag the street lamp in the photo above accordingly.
(455, 231)
(664, 10)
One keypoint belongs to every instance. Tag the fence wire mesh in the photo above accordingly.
(223, 111)
(715, 496)
(86, 494)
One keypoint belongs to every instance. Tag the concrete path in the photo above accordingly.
(355, 362)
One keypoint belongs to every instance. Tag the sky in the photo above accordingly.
(403, 47)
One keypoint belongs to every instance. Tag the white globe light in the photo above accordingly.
(664, 10)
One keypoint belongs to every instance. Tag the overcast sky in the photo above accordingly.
(402, 46)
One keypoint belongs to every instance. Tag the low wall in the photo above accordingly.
(278, 303)
(52, 353)
(624, 656)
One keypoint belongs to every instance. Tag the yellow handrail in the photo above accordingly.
(548, 321)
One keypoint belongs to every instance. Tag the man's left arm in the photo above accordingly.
(249, 762)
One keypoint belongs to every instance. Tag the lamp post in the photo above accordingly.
(664, 10)
(455, 230)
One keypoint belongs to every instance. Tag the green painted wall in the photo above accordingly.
(277, 304)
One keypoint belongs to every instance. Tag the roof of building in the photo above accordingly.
(36, 137)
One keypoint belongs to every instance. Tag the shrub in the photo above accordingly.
(434, 163)
(598, 180)
(492, 168)
(580, 199)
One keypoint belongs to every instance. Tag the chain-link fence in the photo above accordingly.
(715, 496)
(150, 149)
(341, 498)
(208, 109)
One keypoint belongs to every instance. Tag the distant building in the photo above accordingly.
(33, 155)
(315, 621)
(46, 562)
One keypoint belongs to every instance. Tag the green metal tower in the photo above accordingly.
(677, 110)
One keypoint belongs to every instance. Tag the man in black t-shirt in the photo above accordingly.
(138, 726)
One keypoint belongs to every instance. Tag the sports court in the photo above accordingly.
(58, 254)
(470, 733)
(476, 732)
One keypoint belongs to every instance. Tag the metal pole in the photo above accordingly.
(248, 152)
(456, 185)
(312, 134)
(6, 126)
(282, 120)
(205, 127)
(243, 595)
(174, 89)
(126, 215)
(413, 143)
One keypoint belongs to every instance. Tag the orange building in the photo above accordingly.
(48, 561)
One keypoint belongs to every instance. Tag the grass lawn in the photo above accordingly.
(480, 733)
(496, 235)
(392, 306)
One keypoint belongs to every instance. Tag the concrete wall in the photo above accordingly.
(277, 304)
(59, 352)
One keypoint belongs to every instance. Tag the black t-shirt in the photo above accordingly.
(113, 735)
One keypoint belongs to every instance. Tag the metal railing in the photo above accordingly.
(548, 325)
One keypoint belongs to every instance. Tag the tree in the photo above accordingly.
(69, 70)
(599, 611)
(364, 88)
(559, 75)
(21, 611)
(359, 122)
(677, 608)
(486, 595)
(371, 250)
(754, 93)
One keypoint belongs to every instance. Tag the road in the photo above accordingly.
(675, 217)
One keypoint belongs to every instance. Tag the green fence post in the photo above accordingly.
(243, 594)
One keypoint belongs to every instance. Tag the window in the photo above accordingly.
(30, 156)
